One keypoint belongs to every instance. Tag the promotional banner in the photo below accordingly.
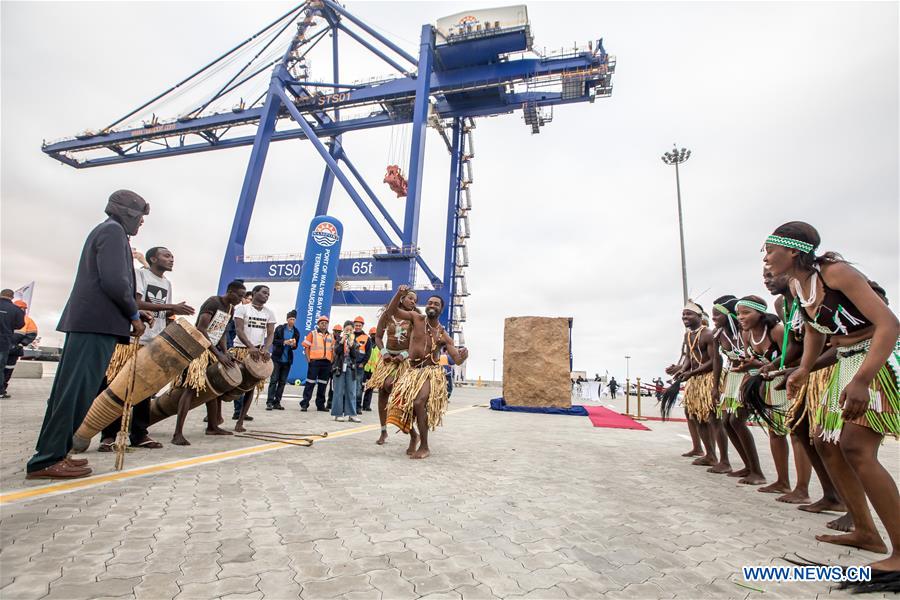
(317, 279)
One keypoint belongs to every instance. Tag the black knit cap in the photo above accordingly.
(128, 208)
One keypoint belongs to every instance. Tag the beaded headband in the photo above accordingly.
(787, 242)
(723, 309)
(751, 304)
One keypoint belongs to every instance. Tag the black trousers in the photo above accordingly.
(367, 394)
(8, 360)
(318, 373)
(81, 369)
(277, 381)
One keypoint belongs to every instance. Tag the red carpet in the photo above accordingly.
(603, 417)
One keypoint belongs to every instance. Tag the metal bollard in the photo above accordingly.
(628, 397)
(639, 417)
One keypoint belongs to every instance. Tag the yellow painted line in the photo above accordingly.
(88, 482)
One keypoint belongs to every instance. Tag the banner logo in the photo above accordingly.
(325, 234)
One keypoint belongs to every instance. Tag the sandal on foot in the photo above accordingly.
(148, 443)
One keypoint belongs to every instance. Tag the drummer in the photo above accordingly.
(254, 324)
(212, 320)
(154, 293)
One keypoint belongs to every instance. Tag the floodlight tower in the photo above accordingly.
(676, 157)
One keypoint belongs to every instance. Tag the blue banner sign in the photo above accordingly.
(317, 279)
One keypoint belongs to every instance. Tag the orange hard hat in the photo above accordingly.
(322, 318)
(337, 328)
(359, 320)
(20, 303)
(373, 331)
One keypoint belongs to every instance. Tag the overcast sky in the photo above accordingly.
(790, 109)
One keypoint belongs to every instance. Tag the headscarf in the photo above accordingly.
(127, 208)
(694, 307)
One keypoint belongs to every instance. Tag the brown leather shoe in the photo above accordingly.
(76, 462)
(61, 470)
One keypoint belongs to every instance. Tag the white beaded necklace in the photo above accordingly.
(756, 342)
(798, 291)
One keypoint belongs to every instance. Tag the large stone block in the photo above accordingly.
(536, 362)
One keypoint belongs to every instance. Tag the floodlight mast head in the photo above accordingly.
(676, 156)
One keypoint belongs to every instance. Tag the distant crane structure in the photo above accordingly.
(472, 64)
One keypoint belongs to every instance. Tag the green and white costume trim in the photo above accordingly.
(731, 392)
(883, 414)
(779, 400)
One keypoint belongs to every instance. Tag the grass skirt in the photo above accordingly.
(385, 370)
(121, 355)
(883, 413)
(731, 392)
(194, 376)
(807, 401)
(407, 388)
(241, 355)
(778, 400)
(698, 399)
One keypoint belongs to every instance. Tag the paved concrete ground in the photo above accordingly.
(508, 506)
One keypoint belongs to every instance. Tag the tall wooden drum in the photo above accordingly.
(252, 372)
(155, 364)
(219, 379)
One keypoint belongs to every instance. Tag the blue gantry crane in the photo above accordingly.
(468, 65)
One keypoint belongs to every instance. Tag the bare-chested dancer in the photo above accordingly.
(393, 362)
(212, 320)
(697, 374)
(421, 392)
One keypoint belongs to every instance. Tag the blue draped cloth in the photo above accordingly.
(575, 410)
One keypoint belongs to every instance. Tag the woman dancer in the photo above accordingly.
(861, 403)
(729, 343)
(764, 334)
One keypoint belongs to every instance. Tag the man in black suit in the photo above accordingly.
(286, 339)
(101, 311)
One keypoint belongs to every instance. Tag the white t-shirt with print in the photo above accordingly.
(156, 290)
(255, 322)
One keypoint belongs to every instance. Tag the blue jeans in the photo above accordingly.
(344, 402)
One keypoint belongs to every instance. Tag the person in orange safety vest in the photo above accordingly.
(319, 348)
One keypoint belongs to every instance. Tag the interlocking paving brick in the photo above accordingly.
(59, 590)
(391, 584)
(219, 588)
(278, 584)
(336, 586)
(157, 585)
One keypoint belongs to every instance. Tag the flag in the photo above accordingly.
(24, 293)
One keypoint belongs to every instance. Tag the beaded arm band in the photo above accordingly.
(790, 243)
